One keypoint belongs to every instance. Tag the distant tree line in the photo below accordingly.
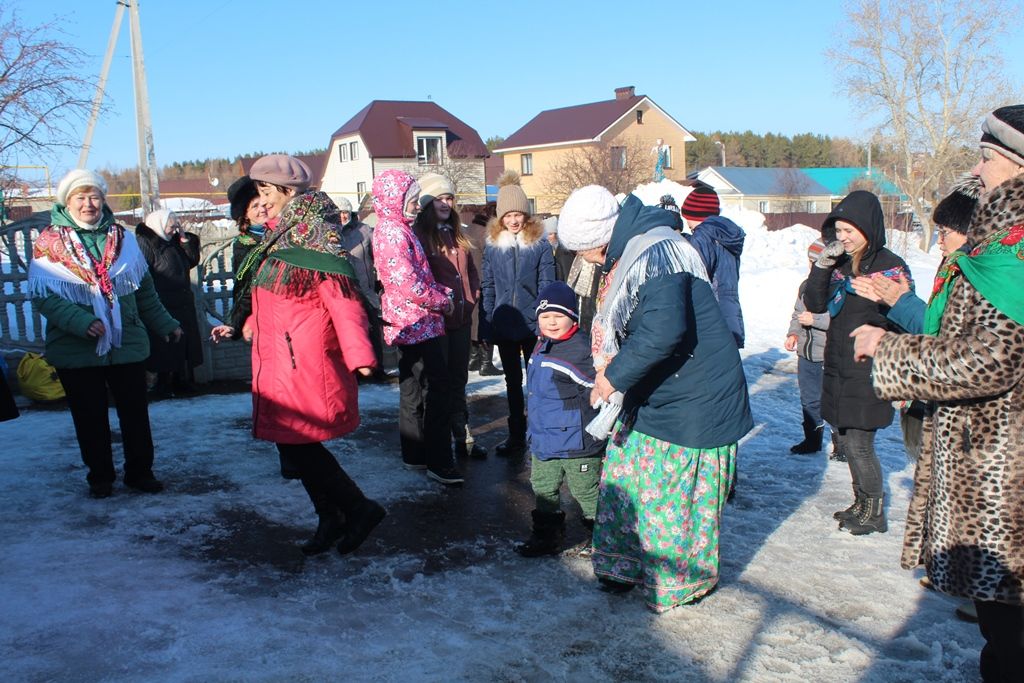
(773, 150)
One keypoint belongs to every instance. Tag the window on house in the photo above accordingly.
(526, 164)
(763, 206)
(353, 150)
(428, 150)
(360, 192)
(668, 156)
(618, 158)
(343, 152)
(811, 207)
(640, 117)
(532, 203)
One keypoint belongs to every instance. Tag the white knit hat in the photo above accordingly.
(587, 218)
(80, 177)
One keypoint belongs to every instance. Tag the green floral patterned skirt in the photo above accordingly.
(658, 514)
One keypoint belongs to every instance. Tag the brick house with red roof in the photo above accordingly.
(536, 149)
(418, 137)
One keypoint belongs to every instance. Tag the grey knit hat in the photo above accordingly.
(1003, 131)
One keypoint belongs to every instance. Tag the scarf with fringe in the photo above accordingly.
(305, 250)
(62, 265)
(659, 251)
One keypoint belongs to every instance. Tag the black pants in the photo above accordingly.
(424, 403)
(458, 375)
(326, 483)
(865, 468)
(1002, 627)
(510, 353)
(86, 390)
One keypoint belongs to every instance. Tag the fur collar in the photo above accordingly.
(1001, 208)
(499, 237)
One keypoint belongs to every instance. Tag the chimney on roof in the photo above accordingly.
(625, 93)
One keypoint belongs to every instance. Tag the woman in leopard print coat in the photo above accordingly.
(966, 517)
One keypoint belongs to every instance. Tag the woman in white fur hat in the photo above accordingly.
(92, 284)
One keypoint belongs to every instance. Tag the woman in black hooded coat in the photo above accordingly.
(854, 235)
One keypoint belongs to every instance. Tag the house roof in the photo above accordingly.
(839, 180)
(771, 181)
(386, 129)
(196, 187)
(577, 123)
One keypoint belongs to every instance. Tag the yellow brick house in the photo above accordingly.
(630, 128)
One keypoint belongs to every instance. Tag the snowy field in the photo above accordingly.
(205, 583)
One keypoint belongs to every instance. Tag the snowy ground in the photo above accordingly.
(204, 581)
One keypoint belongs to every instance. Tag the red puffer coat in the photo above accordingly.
(305, 351)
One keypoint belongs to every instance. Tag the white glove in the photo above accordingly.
(828, 256)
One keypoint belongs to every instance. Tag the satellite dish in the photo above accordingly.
(214, 182)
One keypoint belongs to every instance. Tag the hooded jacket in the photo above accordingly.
(357, 241)
(412, 303)
(719, 242)
(682, 378)
(515, 269)
(847, 399)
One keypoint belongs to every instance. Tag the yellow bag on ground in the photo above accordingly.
(38, 380)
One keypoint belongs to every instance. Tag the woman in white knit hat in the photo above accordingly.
(92, 284)
(675, 395)
(517, 264)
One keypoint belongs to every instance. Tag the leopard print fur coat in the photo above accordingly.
(966, 516)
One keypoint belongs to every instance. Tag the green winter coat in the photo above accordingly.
(68, 346)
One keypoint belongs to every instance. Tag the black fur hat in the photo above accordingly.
(240, 193)
(955, 210)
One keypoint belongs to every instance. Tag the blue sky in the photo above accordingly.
(228, 77)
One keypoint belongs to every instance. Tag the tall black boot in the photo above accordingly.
(547, 537)
(812, 437)
(487, 368)
(362, 515)
(475, 357)
(837, 450)
(330, 527)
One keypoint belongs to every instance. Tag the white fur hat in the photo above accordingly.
(80, 177)
(587, 218)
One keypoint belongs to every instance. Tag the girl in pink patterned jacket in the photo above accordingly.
(413, 306)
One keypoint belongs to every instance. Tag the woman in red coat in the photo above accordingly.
(309, 339)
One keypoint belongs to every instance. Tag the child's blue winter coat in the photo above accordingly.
(558, 381)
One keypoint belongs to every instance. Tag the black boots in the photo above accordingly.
(328, 531)
(870, 518)
(487, 368)
(464, 449)
(547, 537)
(854, 509)
(476, 357)
(515, 445)
(837, 450)
(358, 525)
(812, 438)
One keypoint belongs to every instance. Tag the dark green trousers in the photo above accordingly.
(581, 474)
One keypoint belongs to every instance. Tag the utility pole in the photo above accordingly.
(97, 101)
(149, 184)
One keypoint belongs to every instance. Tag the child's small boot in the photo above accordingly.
(547, 537)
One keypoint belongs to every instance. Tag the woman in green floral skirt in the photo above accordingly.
(674, 394)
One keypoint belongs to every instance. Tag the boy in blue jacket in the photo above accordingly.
(559, 378)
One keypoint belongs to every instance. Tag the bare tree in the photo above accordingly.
(618, 166)
(42, 97)
(931, 68)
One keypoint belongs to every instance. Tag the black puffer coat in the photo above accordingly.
(169, 263)
(847, 397)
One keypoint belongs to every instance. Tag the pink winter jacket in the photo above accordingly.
(304, 353)
(413, 303)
